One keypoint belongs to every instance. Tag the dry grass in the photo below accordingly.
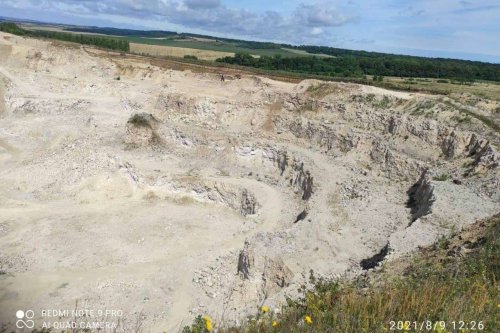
(435, 287)
(490, 90)
(180, 52)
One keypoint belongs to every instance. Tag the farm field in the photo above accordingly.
(212, 45)
(218, 48)
(174, 51)
(485, 89)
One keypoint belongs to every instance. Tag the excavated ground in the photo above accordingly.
(168, 194)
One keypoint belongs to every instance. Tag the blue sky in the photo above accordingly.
(467, 29)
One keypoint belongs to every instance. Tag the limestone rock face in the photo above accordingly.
(393, 163)
(450, 145)
(475, 145)
(276, 275)
(302, 181)
(248, 203)
(294, 170)
(323, 135)
(421, 196)
(246, 261)
(141, 131)
(486, 158)
(299, 103)
(395, 125)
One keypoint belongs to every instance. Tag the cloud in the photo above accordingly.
(195, 4)
(319, 16)
(306, 21)
(378, 25)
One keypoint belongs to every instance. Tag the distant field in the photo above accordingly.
(211, 45)
(193, 43)
(487, 89)
(211, 49)
(171, 51)
(305, 53)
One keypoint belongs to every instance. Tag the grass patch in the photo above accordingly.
(435, 287)
(142, 120)
(442, 178)
(485, 120)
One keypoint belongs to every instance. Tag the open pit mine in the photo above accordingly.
(167, 194)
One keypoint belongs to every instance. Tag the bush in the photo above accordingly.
(442, 178)
(192, 57)
(200, 325)
(12, 28)
(142, 120)
(104, 42)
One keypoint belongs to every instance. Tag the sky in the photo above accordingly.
(464, 29)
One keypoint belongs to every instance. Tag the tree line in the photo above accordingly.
(99, 41)
(173, 34)
(377, 64)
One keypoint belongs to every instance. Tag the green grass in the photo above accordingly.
(142, 120)
(484, 119)
(442, 178)
(436, 287)
(211, 46)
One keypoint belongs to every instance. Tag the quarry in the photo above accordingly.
(167, 194)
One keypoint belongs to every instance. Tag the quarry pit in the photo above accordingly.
(169, 194)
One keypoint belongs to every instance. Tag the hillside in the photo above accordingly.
(449, 286)
(346, 63)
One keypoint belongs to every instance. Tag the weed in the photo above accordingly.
(142, 120)
(442, 178)
(443, 242)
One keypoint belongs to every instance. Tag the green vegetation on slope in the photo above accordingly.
(192, 41)
(449, 286)
(104, 42)
(170, 34)
(12, 28)
(209, 46)
(330, 61)
(346, 63)
(384, 65)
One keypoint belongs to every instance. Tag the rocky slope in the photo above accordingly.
(169, 194)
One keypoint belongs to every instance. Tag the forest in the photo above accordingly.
(360, 63)
(330, 61)
(175, 35)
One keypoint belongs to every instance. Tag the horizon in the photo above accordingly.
(409, 30)
(417, 53)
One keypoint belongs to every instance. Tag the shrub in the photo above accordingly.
(442, 178)
(142, 120)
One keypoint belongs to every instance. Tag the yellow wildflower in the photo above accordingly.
(208, 323)
(264, 309)
(275, 323)
(308, 319)
(440, 329)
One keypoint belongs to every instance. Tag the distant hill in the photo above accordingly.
(343, 63)
(307, 59)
